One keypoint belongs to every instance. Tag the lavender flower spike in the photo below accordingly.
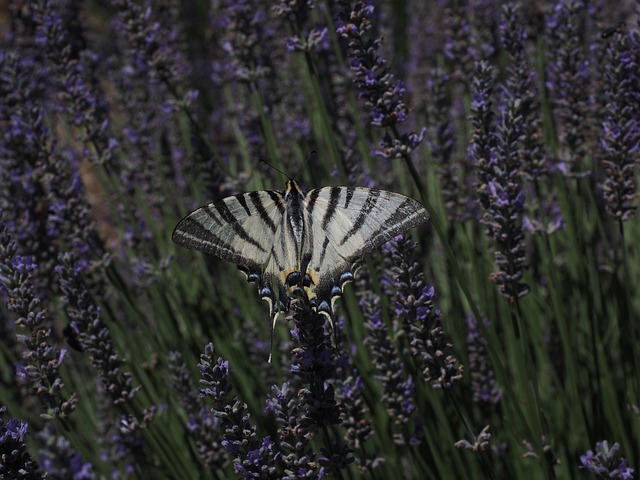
(15, 461)
(253, 458)
(382, 93)
(398, 387)
(483, 382)
(421, 320)
(92, 334)
(41, 369)
(621, 136)
(606, 462)
(496, 155)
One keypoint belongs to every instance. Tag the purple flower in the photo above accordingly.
(314, 363)
(522, 84)
(480, 443)
(381, 92)
(91, 333)
(568, 82)
(41, 360)
(620, 142)
(294, 438)
(483, 383)
(253, 458)
(59, 459)
(483, 140)
(546, 218)
(248, 40)
(78, 93)
(398, 387)
(421, 320)
(317, 39)
(496, 155)
(202, 425)
(452, 172)
(15, 461)
(606, 462)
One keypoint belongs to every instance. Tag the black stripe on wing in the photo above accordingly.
(369, 204)
(243, 202)
(232, 221)
(312, 199)
(348, 196)
(193, 235)
(409, 214)
(278, 199)
(323, 252)
(258, 204)
(334, 196)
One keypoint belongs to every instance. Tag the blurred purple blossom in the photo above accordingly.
(457, 47)
(202, 424)
(42, 198)
(545, 218)
(568, 83)
(480, 443)
(484, 387)
(620, 141)
(522, 84)
(91, 333)
(606, 462)
(452, 171)
(59, 459)
(356, 422)
(252, 457)
(73, 67)
(398, 386)
(316, 39)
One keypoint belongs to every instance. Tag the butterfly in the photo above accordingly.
(312, 241)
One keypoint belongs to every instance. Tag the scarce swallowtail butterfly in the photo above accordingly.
(311, 240)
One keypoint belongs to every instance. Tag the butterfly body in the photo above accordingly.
(312, 241)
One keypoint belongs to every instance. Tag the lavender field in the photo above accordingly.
(499, 340)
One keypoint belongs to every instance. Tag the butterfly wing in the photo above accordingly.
(240, 229)
(348, 222)
(243, 229)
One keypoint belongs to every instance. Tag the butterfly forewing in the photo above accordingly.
(355, 221)
(240, 229)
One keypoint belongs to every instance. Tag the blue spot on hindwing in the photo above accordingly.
(253, 277)
(346, 277)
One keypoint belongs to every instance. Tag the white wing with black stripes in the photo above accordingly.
(307, 241)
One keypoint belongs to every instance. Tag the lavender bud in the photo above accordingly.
(606, 462)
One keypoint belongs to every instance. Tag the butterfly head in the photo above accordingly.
(293, 189)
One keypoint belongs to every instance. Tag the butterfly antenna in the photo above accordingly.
(262, 160)
(309, 157)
